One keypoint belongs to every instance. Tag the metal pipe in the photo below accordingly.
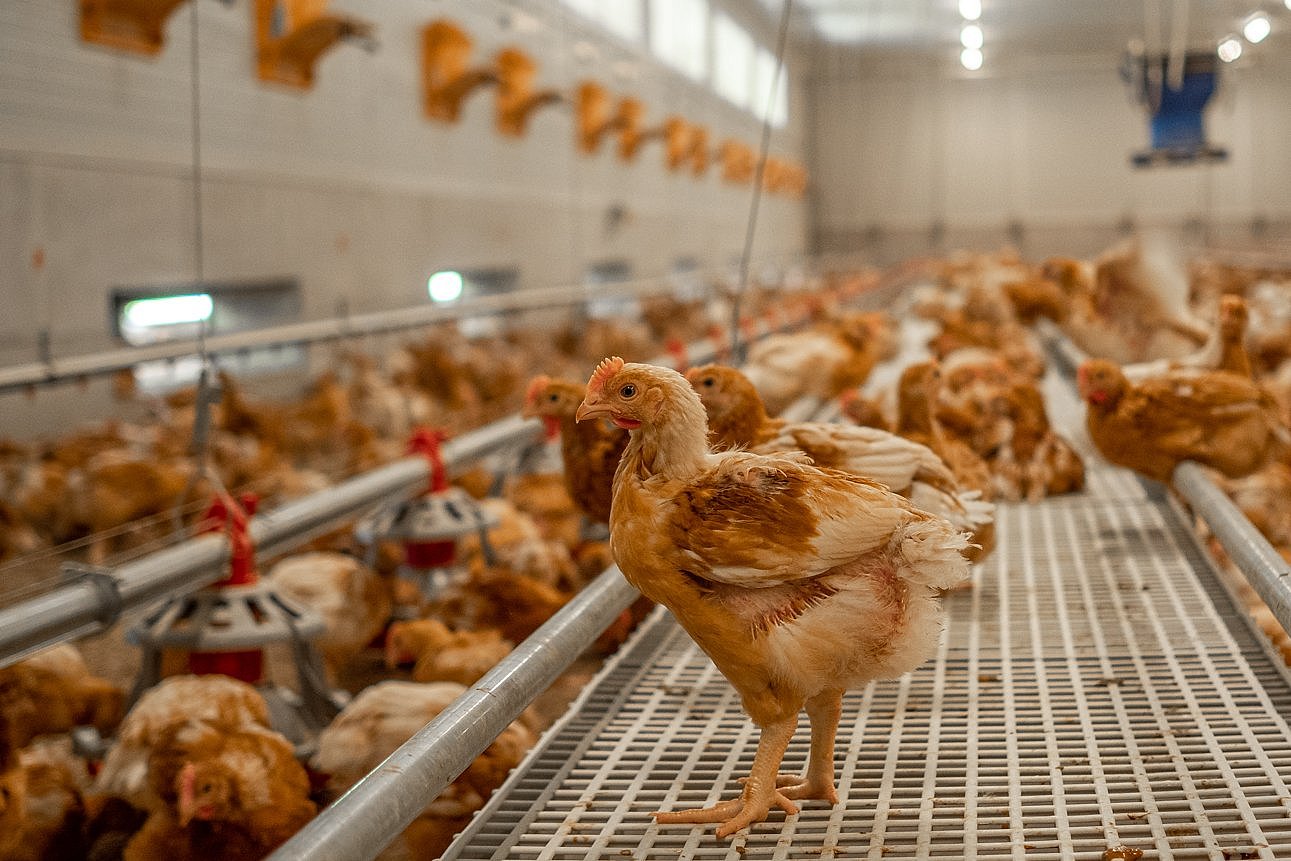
(365, 819)
(54, 370)
(1261, 565)
(81, 607)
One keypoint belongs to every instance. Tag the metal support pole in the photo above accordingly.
(366, 819)
(1261, 565)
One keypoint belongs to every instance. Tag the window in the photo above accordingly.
(449, 285)
(623, 18)
(679, 35)
(612, 307)
(687, 281)
(764, 72)
(732, 61)
(144, 316)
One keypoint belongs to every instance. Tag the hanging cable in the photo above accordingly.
(199, 443)
(737, 345)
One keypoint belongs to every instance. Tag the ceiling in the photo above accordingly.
(1036, 27)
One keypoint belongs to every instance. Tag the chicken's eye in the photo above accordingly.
(553, 398)
(206, 787)
(628, 391)
(709, 381)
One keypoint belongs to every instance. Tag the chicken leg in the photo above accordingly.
(823, 710)
(760, 792)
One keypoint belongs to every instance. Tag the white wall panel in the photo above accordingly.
(346, 187)
(1048, 147)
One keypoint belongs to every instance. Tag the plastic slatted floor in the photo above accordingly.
(1096, 688)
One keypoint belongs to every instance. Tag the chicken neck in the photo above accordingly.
(744, 427)
(674, 445)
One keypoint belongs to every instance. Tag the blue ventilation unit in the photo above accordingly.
(1177, 116)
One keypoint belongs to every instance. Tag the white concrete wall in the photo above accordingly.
(346, 187)
(1045, 145)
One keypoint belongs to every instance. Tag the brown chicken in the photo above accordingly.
(52, 692)
(825, 361)
(545, 500)
(1034, 462)
(384, 716)
(737, 419)
(1224, 351)
(1033, 298)
(441, 655)
(919, 420)
(52, 828)
(590, 450)
(354, 601)
(800, 583)
(1215, 418)
(863, 411)
(498, 598)
(13, 792)
(226, 793)
(219, 702)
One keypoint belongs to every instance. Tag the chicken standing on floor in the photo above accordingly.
(798, 582)
(1215, 418)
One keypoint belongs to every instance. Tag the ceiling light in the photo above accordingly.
(1256, 28)
(1230, 49)
(972, 9)
(971, 58)
(971, 37)
(444, 286)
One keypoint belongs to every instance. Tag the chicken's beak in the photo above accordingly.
(593, 409)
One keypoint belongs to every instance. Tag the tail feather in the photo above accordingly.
(931, 552)
(964, 509)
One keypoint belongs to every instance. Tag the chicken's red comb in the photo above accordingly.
(604, 372)
(536, 385)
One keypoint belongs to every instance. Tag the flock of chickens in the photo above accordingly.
(767, 557)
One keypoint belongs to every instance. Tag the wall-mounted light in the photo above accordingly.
(971, 37)
(1229, 49)
(971, 59)
(167, 311)
(444, 286)
(1257, 28)
(972, 9)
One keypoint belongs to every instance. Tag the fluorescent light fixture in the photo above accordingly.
(1230, 49)
(1257, 28)
(167, 310)
(971, 37)
(971, 59)
(444, 286)
(972, 9)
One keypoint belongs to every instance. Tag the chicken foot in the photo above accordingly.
(760, 793)
(823, 710)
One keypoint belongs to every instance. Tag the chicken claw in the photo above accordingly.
(803, 788)
(734, 815)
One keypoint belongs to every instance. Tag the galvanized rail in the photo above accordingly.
(50, 370)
